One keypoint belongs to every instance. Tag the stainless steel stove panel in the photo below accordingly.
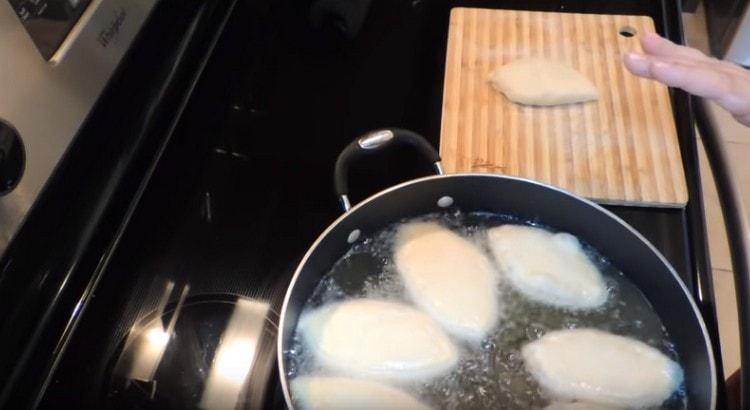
(47, 101)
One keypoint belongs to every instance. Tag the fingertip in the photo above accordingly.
(651, 36)
(633, 57)
(655, 44)
(637, 64)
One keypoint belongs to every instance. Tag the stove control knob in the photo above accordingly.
(12, 157)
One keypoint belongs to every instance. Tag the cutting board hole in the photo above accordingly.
(627, 31)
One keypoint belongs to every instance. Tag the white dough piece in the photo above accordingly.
(579, 405)
(449, 278)
(378, 339)
(599, 367)
(334, 393)
(546, 267)
(536, 81)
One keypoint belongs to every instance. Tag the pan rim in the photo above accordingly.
(280, 337)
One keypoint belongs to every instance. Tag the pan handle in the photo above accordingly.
(374, 141)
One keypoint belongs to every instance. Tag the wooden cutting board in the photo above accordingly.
(620, 149)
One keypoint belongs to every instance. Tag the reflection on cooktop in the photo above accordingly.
(196, 352)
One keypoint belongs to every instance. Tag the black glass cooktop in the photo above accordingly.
(185, 313)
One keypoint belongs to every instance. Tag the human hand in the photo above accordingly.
(677, 66)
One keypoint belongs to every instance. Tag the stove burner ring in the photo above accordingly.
(210, 351)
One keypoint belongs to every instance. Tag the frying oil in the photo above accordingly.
(491, 374)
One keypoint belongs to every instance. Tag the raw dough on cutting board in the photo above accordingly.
(546, 267)
(536, 81)
(341, 393)
(379, 339)
(600, 367)
(449, 278)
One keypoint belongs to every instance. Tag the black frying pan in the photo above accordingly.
(529, 200)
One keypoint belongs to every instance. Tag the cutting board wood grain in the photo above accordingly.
(620, 149)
